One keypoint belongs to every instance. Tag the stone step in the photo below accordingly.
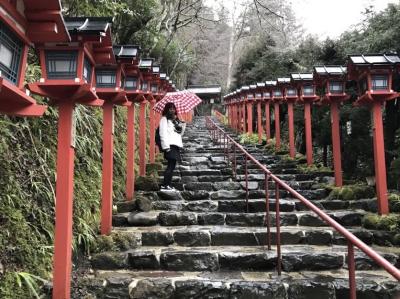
(237, 285)
(186, 233)
(171, 218)
(294, 259)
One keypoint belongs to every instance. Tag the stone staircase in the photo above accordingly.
(200, 242)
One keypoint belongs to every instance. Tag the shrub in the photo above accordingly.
(352, 192)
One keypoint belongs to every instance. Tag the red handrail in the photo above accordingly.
(217, 133)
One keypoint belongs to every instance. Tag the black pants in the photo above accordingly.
(172, 156)
(169, 171)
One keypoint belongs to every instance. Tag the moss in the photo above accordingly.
(114, 242)
(147, 183)
(249, 138)
(10, 289)
(124, 241)
(352, 192)
(153, 168)
(394, 202)
(313, 168)
(389, 222)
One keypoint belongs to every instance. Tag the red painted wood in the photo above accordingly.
(292, 148)
(152, 117)
(130, 162)
(250, 117)
(142, 138)
(277, 127)
(22, 67)
(307, 120)
(64, 204)
(259, 122)
(337, 159)
(267, 121)
(107, 178)
(244, 126)
(379, 153)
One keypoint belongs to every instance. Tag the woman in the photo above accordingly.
(171, 131)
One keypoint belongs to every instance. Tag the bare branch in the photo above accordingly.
(271, 12)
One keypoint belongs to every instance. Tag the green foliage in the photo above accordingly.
(114, 242)
(352, 192)
(247, 138)
(304, 168)
(389, 222)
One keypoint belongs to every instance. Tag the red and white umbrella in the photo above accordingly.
(184, 101)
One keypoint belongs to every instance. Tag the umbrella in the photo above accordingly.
(184, 101)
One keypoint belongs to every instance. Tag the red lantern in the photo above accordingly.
(373, 73)
(38, 22)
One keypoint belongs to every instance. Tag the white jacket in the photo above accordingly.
(168, 135)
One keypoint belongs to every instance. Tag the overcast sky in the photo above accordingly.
(324, 17)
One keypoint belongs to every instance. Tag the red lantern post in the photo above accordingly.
(133, 78)
(332, 80)
(267, 96)
(277, 98)
(152, 98)
(145, 67)
(290, 94)
(67, 75)
(110, 79)
(259, 98)
(374, 73)
(39, 23)
(250, 99)
(308, 96)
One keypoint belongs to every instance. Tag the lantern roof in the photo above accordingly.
(163, 76)
(126, 51)
(374, 59)
(253, 86)
(302, 77)
(156, 69)
(270, 83)
(88, 25)
(261, 84)
(94, 30)
(330, 70)
(245, 88)
(283, 80)
(146, 63)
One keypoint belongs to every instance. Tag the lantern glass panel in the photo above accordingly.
(308, 90)
(291, 92)
(131, 83)
(10, 54)
(336, 87)
(144, 85)
(87, 70)
(61, 64)
(380, 82)
(154, 88)
(277, 93)
(267, 95)
(105, 78)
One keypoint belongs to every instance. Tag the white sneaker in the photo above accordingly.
(167, 188)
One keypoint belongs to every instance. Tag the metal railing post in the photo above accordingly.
(267, 221)
(278, 230)
(352, 271)
(234, 162)
(247, 184)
